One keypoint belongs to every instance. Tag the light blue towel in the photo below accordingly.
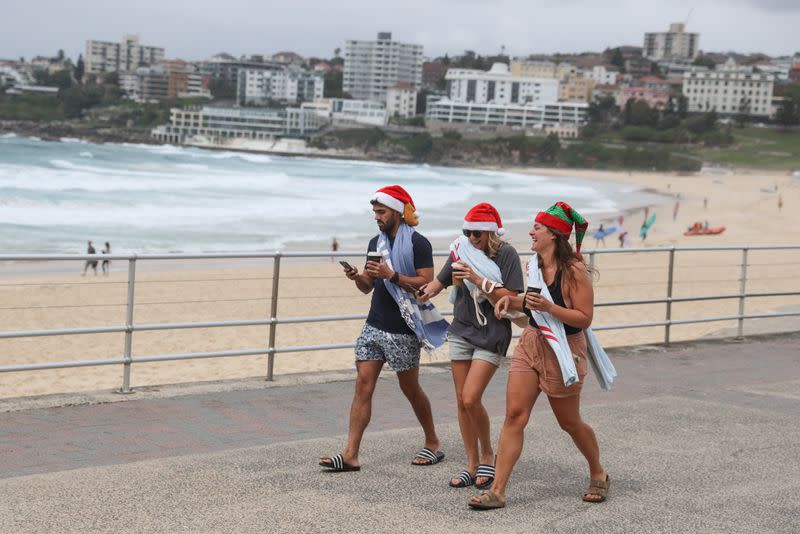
(421, 317)
(601, 364)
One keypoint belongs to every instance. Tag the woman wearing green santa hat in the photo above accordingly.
(535, 367)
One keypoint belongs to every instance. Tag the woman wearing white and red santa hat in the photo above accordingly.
(484, 269)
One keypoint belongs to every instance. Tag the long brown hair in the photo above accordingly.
(565, 258)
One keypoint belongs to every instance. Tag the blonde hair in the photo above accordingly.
(494, 244)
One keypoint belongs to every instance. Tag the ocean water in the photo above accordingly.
(54, 196)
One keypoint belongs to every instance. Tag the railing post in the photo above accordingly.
(126, 367)
(742, 287)
(591, 261)
(276, 277)
(670, 279)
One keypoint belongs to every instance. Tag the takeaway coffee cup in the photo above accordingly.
(456, 281)
(374, 256)
(532, 289)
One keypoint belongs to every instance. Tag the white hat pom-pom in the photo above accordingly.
(501, 231)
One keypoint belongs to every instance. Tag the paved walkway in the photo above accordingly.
(698, 438)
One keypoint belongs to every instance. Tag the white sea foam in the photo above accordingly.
(9, 135)
(169, 198)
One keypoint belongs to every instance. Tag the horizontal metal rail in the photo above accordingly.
(350, 345)
(348, 254)
(274, 321)
(335, 318)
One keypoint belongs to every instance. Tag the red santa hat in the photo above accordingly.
(398, 199)
(484, 217)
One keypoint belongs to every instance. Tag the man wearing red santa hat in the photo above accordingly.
(399, 260)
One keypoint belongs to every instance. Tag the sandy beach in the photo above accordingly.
(746, 203)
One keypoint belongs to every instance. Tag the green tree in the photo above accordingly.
(616, 58)
(333, 84)
(704, 61)
(550, 148)
(743, 113)
(222, 89)
(702, 123)
(80, 68)
(111, 78)
(788, 113)
(639, 113)
(602, 109)
(683, 106)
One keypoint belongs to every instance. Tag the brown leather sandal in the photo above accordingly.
(488, 501)
(597, 488)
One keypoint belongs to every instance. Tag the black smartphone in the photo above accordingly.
(346, 265)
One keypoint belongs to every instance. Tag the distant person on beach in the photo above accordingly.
(106, 265)
(399, 262)
(334, 247)
(535, 367)
(675, 210)
(705, 203)
(482, 269)
(624, 240)
(600, 236)
(780, 202)
(90, 263)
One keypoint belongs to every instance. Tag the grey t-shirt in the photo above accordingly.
(496, 335)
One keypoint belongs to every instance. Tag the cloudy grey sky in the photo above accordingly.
(197, 29)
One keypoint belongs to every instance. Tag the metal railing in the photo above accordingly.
(273, 321)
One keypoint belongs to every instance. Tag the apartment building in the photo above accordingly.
(576, 88)
(603, 74)
(342, 112)
(729, 89)
(128, 55)
(372, 67)
(261, 86)
(542, 69)
(499, 86)
(401, 100)
(216, 124)
(655, 98)
(168, 80)
(225, 67)
(514, 116)
(673, 44)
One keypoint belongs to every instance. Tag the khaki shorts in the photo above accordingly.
(533, 354)
(461, 349)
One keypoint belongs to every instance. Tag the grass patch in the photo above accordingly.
(758, 147)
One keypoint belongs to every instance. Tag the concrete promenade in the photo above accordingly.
(699, 437)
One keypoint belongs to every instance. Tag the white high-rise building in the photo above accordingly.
(259, 86)
(729, 89)
(499, 86)
(105, 56)
(674, 44)
(372, 67)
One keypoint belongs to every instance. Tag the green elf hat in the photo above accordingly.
(561, 217)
